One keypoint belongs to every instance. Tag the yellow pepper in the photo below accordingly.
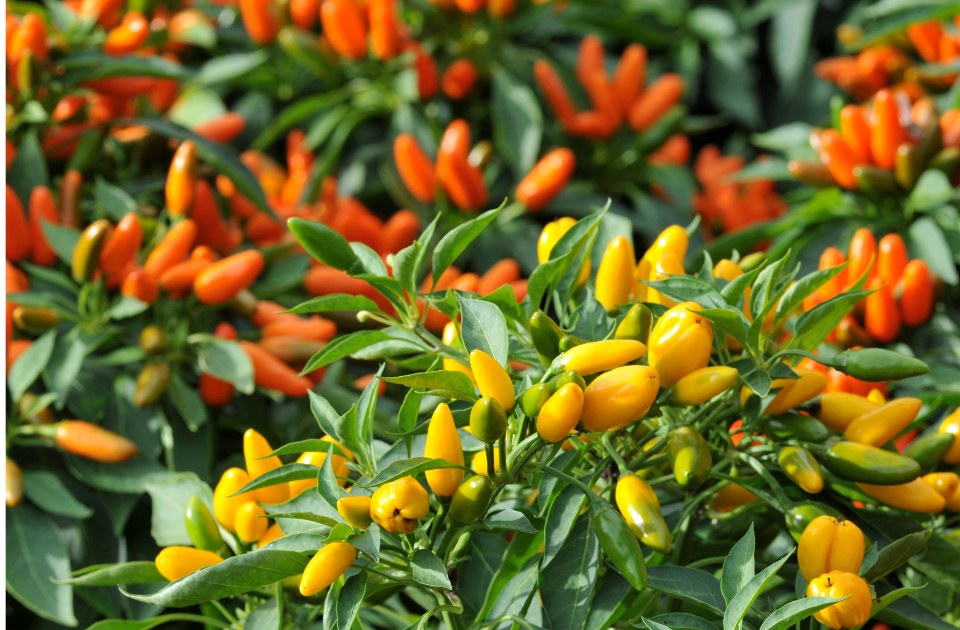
(326, 566)
(315, 458)
(839, 409)
(701, 385)
(830, 544)
(851, 612)
(479, 462)
(673, 240)
(875, 396)
(618, 397)
(451, 338)
(795, 392)
(915, 496)
(273, 532)
(397, 506)
(492, 379)
(953, 501)
(551, 234)
(730, 497)
(443, 442)
(560, 414)
(640, 507)
(174, 563)
(600, 356)
(14, 484)
(680, 343)
(945, 483)
(249, 523)
(668, 265)
(879, 426)
(615, 277)
(225, 506)
(801, 467)
(951, 425)
(355, 511)
(254, 447)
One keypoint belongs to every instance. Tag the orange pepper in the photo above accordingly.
(458, 79)
(43, 207)
(172, 249)
(416, 169)
(122, 245)
(181, 179)
(345, 27)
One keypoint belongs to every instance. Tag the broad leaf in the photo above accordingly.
(690, 585)
(738, 567)
(456, 241)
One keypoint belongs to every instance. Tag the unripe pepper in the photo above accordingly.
(800, 466)
(355, 511)
(443, 442)
(702, 385)
(492, 380)
(618, 397)
(396, 506)
(175, 563)
(255, 446)
(152, 340)
(182, 179)
(35, 320)
(914, 496)
(547, 179)
(852, 612)
(731, 497)
(945, 484)
(570, 341)
(45, 415)
(550, 236)
(326, 566)
(795, 426)
(951, 426)
(600, 356)
(930, 449)
(273, 532)
(416, 169)
(619, 543)
(802, 515)
(488, 420)
(225, 504)
(680, 343)
(830, 544)
(689, 457)
(640, 507)
(345, 27)
(615, 282)
(471, 499)
(152, 382)
(202, 526)
(248, 522)
(795, 392)
(14, 484)
(86, 254)
(867, 464)
(839, 409)
(221, 281)
(881, 425)
(90, 441)
(636, 324)
(533, 400)
(546, 336)
(560, 414)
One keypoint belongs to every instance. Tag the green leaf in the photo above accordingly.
(114, 200)
(927, 242)
(814, 325)
(351, 596)
(297, 111)
(788, 615)
(784, 138)
(515, 593)
(129, 477)
(223, 68)
(336, 302)
(327, 484)
(441, 379)
(324, 244)
(29, 170)
(225, 360)
(342, 347)
(301, 542)
(266, 616)
(65, 363)
(408, 468)
(408, 262)
(744, 599)
(283, 474)
(653, 625)
(313, 445)
(804, 288)
(609, 602)
(30, 364)
(143, 572)
(689, 289)
(146, 624)
(407, 416)
(170, 497)
(738, 567)
(684, 620)
(510, 519)
(517, 121)
(931, 190)
(560, 521)
(45, 490)
(325, 414)
(456, 241)
(428, 569)
(690, 585)
(307, 516)
(735, 289)
(483, 328)
(61, 238)
(368, 542)
(566, 587)
(366, 410)
(895, 555)
(127, 306)
(883, 601)
(728, 320)
(186, 400)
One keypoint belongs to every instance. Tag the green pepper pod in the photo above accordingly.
(947, 161)
(35, 320)
(868, 464)
(752, 261)
(796, 426)
(152, 381)
(546, 336)
(570, 376)
(618, 542)
(636, 324)
(875, 180)
(801, 467)
(802, 515)
(152, 340)
(876, 365)
(908, 166)
(689, 457)
(930, 449)
(86, 254)
(471, 499)
(488, 420)
(533, 400)
(202, 527)
(569, 341)
(931, 142)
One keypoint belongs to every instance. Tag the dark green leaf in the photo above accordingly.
(115, 201)
(744, 599)
(738, 567)
(408, 468)
(30, 364)
(509, 519)
(45, 490)
(144, 572)
(29, 169)
(804, 288)
(690, 585)
(895, 555)
(441, 379)
(61, 238)
(566, 587)
(483, 328)
(786, 616)
(428, 570)
(283, 474)
(814, 325)
(517, 121)
(336, 302)
(456, 241)
(324, 244)
(351, 596)
(342, 347)
(225, 360)
(186, 400)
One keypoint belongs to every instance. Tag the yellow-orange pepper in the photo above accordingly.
(851, 612)
(355, 511)
(668, 265)
(443, 442)
(839, 409)
(479, 462)
(680, 343)
(254, 447)
(830, 544)
(800, 466)
(174, 563)
(492, 380)
(273, 532)
(618, 397)
(879, 426)
(14, 484)
(560, 413)
(951, 425)
(225, 505)
(248, 522)
(600, 356)
(316, 458)
(326, 566)
(915, 496)
(945, 483)
(730, 497)
(397, 506)
(795, 392)
(701, 385)
(551, 234)
(640, 507)
(615, 277)
(182, 179)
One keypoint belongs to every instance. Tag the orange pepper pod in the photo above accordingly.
(832, 257)
(470, 6)
(925, 37)
(428, 82)
(592, 125)
(501, 273)
(221, 281)
(89, 440)
(344, 27)
(882, 316)
(70, 198)
(384, 29)
(181, 179)
(399, 231)
(463, 183)
(174, 247)
(30, 35)
(416, 169)
(261, 19)
(501, 8)
(547, 178)
(18, 228)
(213, 230)
(630, 75)
(855, 132)
(886, 130)
(863, 249)
(467, 283)
(654, 102)
(836, 154)
(181, 276)
(304, 13)
(122, 245)
(131, 34)
(299, 157)
(214, 391)
(590, 59)
(916, 293)
(674, 151)
(947, 49)
(223, 128)
(458, 79)
(892, 259)
(315, 328)
(554, 91)
(11, 153)
(272, 373)
(141, 285)
(43, 207)
(603, 96)
(328, 281)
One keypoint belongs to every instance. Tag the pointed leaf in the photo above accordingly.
(738, 568)
(744, 599)
(456, 241)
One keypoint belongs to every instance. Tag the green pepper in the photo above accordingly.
(792, 425)
(488, 420)
(152, 381)
(152, 340)
(35, 320)
(689, 457)
(33, 416)
(86, 253)
(876, 365)
(931, 142)
(930, 449)
(470, 500)
(570, 376)
(908, 166)
(800, 467)
(533, 400)
(800, 516)
(875, 180)
(619, 543)
(569, 341)
(636, 324)
(546, 336)
(947, 161)
(752, 261)
(202, 527)
(868, 464)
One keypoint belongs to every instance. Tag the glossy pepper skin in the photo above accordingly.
(929, 449)
(635, 324)
(273, 532)
(89, 440)
(570, 376)
(879, 426)
(680, 343)
(689, 457)
(802, 468)
(443, 442)
(492, 380)
(830, 544)
(451, 338)
(913, 496)
(14, 484)
(618, 397)
(951, 426)
(175, 563)
(619, 543)
(86, 253)
(256, 446)
(795, 392)
(202, 526)
(570, 341)
(152, 382)
(795, 426)
(600, 356)
(35, 320)
(326, 566)
(152, 340)
(560, 414)
(702, 385)
(488, 420)
(546, 336)
(248, 522)
(355, 511)
(731, 497)
(533, 400)
(397, 506)
(471, 499)
(839, 409)
(615, 282)
(868, 464)
(944, 483)
(802, 515)
(640, 507)
(182, 179)
(851, 612)
(547, 179)
(225, 505)
(876, 365)
(550, 236)
(221, 281)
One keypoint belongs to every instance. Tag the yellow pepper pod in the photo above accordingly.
(915, 496)
(14, 484)
(225, 506)
(730, 497)
(600, 356)
(839, 409)
(701, 385)
(644, 272)
(640, 507)
(326, 566)
(945, 483)
(953, 501)
(560, 414)
(727, 269)
(668, 265)
(830, 544)
(451, 338)
(249, 523)
(492, 380)
(355, 511)
(175, 563)
(879, 426)
(254, 447)
(875, 396)
(801, 467)
(551, 234)
(443, 442)
(851, 612)
(618, 397)
(795, 392)
(680, 343)
(316, 458)
(673, 240)
(951, 425)
(397, 506)
(479, 462)
(615, 277)
(273, 532)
